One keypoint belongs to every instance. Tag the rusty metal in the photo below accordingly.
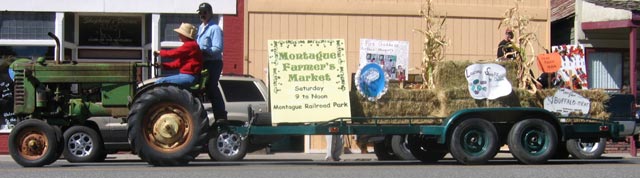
(168, 128)
(32, 143)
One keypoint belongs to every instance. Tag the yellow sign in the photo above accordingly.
(308, 80)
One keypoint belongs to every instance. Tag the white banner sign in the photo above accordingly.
(566, 101)
(487, 81)
(393, 56)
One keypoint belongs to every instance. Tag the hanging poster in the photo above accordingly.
(565, 101)
(573, 71)
(487, 81)
(307, 80)
(393, 56)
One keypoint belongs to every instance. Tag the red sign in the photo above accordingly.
(549, 63)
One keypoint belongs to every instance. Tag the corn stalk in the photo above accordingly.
(523, 40)
(434, 42)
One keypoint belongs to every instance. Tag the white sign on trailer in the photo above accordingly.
(487, 81)
(566, 101)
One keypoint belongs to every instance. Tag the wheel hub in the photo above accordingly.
(166, 128)
(80, 144)
(534, 140)
(473, 141)
(228, 144)
(34, 145)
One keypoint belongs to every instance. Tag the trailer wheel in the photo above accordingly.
(399, 145)
(226, 146)
(533, 141)
(167, 126)
(427, 151)
(586, 150)
(383, 150)
(82, 144)
(33, 143)
(474, 141)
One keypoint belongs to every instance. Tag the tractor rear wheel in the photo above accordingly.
(167, 126)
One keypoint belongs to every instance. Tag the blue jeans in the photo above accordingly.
(184, 80)
(212, 90)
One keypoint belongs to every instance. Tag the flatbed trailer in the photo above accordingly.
(472, 136)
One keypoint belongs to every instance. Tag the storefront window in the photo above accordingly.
(110, 31)
(169, 22)
(28, 51)
(26, 25)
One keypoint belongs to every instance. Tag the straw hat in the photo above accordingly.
(187, 30)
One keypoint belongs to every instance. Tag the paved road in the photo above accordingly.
(311, 166)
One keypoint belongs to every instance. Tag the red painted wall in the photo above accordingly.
(234, 41)
(4, 141)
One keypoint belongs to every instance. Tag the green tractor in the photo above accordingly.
(167, 124)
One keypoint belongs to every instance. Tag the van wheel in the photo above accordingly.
(383, 150)
(586, 150)
(33, 143)
(226, 146)
(474, 141)
(399, 145)
(427, 151)
(82, 144)
(167, 126)
(533, 141)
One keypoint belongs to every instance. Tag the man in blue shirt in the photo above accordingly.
(209, 39)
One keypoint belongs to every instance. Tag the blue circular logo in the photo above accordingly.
(11, 74)
(371, 81)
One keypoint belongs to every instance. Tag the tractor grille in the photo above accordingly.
(18, 90)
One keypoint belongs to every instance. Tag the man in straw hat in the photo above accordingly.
(188, 58)
(210, 41)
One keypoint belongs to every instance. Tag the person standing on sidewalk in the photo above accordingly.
(210, 41)
(335, 147)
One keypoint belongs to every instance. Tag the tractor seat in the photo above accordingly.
(201, 84)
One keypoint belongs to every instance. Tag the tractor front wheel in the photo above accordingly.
(33, 143)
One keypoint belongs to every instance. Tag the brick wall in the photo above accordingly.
(617, 147)
(233, 53)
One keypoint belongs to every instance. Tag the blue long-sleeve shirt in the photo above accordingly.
(210, 40)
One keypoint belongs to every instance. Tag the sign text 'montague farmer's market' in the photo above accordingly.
(320, 56)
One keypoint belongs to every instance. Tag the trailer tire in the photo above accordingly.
(474, 141)
(427, 151)
(82, 144)
(533, 141)
(226, 146)
(41, 136)
(586, 150)
(400, 147)
(167, 126)
(383, 150)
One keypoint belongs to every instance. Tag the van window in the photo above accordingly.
(240, 91)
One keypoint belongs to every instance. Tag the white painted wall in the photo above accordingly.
(595, 13)
(119, 6)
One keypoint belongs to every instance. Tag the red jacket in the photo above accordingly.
(188, 58)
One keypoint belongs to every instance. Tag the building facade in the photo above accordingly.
(471, 27)
(122, 30)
